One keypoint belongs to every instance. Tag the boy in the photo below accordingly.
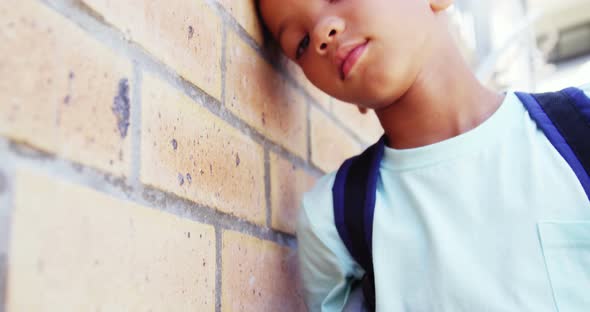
(471, 196)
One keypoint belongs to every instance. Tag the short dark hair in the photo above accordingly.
(270, 46)
(265, 31)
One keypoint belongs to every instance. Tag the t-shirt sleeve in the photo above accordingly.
(327, 270)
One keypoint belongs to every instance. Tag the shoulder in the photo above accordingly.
(585, 88)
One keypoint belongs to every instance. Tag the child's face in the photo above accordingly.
(367, 52)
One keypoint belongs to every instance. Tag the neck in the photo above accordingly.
(445, 100)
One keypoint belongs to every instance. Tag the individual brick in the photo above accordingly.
(74, 249)
(189, 151)
(244, 11)
(258, 276)
(262, 97)
(73, 102)
(288, 183)
(185, 35)
(366, 126)
(330, 144)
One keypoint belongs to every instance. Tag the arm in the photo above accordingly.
(327, 270)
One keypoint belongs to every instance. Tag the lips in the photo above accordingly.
(351, 58)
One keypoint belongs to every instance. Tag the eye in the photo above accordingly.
(302, 47)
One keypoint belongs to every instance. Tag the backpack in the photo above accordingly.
(563, 116)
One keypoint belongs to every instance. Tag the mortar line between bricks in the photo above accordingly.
(213, 106)
(268, 188)
(7, 202)
(218, 271)
(117, 187)
(220, 111)
(136, 124)
(113, 38)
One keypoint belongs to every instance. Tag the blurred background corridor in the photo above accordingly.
(537, 45)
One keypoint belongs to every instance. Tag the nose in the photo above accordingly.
(325, 32)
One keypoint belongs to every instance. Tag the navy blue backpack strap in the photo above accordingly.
(354, 193)
(564, 117)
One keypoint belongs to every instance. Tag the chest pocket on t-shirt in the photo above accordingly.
(566, 249)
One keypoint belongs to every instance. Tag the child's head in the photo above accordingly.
(391, 39)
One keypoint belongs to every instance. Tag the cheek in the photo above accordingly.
(322, 74)
(390, 19)
(384, 80)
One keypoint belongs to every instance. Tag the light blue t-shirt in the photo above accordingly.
(491, 220)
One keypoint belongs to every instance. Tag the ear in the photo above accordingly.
(440, 5)
(362, 110)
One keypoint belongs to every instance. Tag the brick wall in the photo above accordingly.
(152, 158)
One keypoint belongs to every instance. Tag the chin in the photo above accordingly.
(388, 91)
(375, 97)
(377, 104)
(373, 90)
